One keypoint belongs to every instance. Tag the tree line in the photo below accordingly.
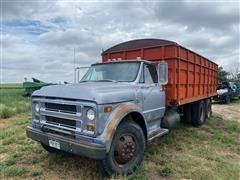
(224, 75)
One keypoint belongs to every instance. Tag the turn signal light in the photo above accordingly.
(37, 116)
(107, 109)
(90, 127)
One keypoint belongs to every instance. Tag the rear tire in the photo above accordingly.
(50, 149)
(127, 150)
(198, 113)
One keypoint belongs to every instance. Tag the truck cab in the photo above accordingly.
(109, 115)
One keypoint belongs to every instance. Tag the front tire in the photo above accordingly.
(127, 150)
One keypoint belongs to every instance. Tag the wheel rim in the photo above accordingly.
(125, 149)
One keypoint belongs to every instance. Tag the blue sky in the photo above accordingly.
(38, 37)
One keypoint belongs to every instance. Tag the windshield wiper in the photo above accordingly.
(107, 80)
(101, 80)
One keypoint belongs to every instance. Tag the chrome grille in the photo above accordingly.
(61, 122)
(60, 114)
(61, 108)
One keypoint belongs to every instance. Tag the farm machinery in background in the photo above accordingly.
(227, 91)
(30, 87)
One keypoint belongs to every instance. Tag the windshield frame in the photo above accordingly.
(113, 62)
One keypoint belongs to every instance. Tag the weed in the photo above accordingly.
(36, 173)
(165, 172)
(2, 148)
(12, 102)
(138, 174)
(7, 141)
(5, 112)
(32, 160)
(14, 170)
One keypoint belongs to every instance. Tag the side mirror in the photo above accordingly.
(79, 72)
(163, 73)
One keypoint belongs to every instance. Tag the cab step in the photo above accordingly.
(157, 133)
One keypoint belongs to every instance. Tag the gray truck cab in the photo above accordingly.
(109, 115)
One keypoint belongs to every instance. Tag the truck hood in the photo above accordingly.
(100, 92)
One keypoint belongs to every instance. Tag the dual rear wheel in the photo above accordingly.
(196, 113)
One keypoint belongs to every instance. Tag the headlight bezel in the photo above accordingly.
(91, 114)
(37, 108)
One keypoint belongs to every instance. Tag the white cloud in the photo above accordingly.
(39, 37)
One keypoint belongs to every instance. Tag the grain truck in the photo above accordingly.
(139, 92)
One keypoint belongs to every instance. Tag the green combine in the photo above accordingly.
(30, 87)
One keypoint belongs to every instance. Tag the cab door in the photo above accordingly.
(153, 96)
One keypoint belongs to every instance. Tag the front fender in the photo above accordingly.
(114, 119)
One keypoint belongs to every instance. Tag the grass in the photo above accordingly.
(235, 101)
(209, 152)
(11, 86)
(12, 102)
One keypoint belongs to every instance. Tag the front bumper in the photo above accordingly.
(93, 151)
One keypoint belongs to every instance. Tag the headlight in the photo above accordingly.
(90, 114)
(37, 108)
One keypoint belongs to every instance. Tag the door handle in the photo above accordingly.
(145, 87)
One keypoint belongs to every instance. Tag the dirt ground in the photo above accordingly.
(227, 111)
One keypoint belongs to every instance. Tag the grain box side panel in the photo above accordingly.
(191, 77)
(196, 77)
(135, 54)
(171, 88)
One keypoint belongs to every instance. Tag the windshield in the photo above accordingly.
(123, 71)
(222, 86)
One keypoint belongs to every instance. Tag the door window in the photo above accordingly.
(149, 74)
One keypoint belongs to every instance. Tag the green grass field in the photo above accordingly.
(209, 152)
(11, 86)
(12, 102)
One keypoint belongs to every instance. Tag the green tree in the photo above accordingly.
(222, 74)
(237, 78)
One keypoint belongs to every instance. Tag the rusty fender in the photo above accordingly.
(114, 119)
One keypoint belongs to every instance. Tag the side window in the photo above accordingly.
(147, 76)
(150, 74)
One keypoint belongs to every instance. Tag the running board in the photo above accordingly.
(157, 133)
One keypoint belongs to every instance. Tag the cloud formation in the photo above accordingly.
(38, 38)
